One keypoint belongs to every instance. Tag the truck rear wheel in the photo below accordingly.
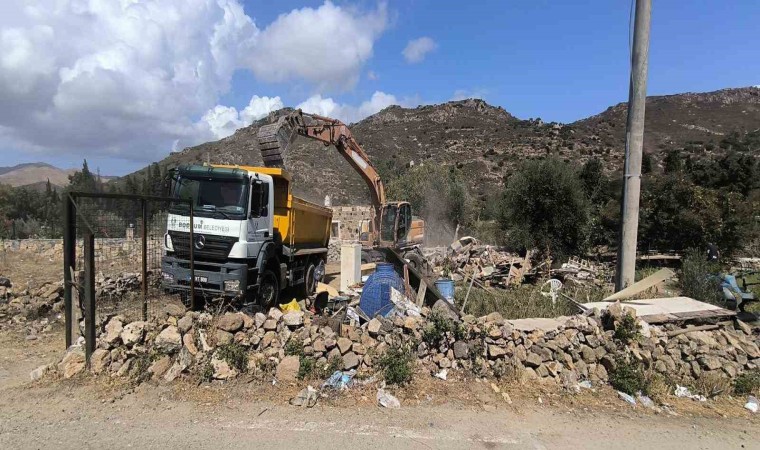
(269, 289)
(309, 285)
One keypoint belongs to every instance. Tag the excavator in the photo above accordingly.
(392, 226)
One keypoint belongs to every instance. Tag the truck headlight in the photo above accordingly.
(168, 245)
(232, 285)
(167, 277)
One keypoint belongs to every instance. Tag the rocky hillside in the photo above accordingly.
(34, 173)
(487, 142)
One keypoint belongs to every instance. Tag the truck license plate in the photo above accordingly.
(200, 279)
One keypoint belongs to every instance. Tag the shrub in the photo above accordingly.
(437, 329)
(235, 355)
(333, 364)
(522, 302)
(544, 206)
(711, 384)
(627, 376)
(306, 368)
(627, 329)
(748, 383)
(294, 347)
(698, 278)
(397, 365)
(208, 372)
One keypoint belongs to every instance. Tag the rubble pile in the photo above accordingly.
(583, 347)
(34, 309)
(584, 272)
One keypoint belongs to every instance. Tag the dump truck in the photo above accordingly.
(251, 236)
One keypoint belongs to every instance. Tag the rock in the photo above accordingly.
(39, 372)
(268, 338)
(746, 329)
(174, 310)
(184, 359)
(358, 348)
(248, 321)
(588, 354)
(160, 366)
(230, 322)
(410, 323)
(495, 318)
(133, 333)
(224, 337)
(533, 360)
(373, 327)
(222, 370)
(169, 340)
(710, 362)
(344, 345)
(442, 307)
(270, 325)
(114, 327)
(554, 368)
(259, 319)
(542, 371)
(99, 360)
(275, 314)
(350, 361)
(444, 363)
(287, 370)
(189, 343)
(72, 363)
(496, 351)
(185, 323)
(461, 350)
(319, 346)
(293, 318)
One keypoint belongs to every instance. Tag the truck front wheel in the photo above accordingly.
(269, 289)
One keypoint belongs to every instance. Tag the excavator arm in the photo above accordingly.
(276, 137)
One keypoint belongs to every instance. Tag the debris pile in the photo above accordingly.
(584, 272)
(288, 347)
(32, 309)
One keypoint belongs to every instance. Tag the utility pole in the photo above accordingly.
(634, 143)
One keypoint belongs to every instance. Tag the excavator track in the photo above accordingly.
(273, 141)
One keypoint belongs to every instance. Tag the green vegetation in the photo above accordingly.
(235, 355)
(699, 279)
(627, 330)
(748, 383)
(519, 303)
(294, 347)
(306, 369)
(397, 365)
(628, 376)
(439, 327)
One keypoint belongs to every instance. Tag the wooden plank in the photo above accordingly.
(642, 285)
(421, 293)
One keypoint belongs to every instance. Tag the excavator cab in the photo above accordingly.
(395, 223)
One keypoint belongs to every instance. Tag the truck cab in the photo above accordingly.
(251, 237)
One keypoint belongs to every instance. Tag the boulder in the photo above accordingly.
(533, 360)
(184, 359)
(275, 314)
(113, 330)
(160, 366)
(344, 345)
(133, 333)
(259, 319)
(293, 318)
(496, 351)
(38, 373)
(99, 360)
(230, 322)
(461, 350)
(169, 340)
(248, 321)
(373, 327)
(270, 325)
(224, 337)
(175, 310)
(72, 363)
(287, 370)
(350, 361)
(222, 370)
(189, 343)
(185, 323)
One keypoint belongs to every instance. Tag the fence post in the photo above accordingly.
(89, 295)
(193, 305)
(69, 263)
(144, 207)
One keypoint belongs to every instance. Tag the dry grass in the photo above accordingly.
(712, 385)
(523, 302)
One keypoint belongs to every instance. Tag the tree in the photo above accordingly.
(544, 207)
(83, 181)
(672, 162)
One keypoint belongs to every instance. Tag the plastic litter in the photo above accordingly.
(340, 380)
(352, 314)
(290, 306)
(644, 400)
(627, 397)
(442, 374)
(752, 404)
(387, 400)
(307, 398)
(683, 391)
(585, 384)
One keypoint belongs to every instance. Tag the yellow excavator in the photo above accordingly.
(392, 225)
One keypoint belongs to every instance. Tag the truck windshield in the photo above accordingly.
(212, 198)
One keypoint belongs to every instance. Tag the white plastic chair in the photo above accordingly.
(551, 289)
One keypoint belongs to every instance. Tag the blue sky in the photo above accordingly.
(561, 61)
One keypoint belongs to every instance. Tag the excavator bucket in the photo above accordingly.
(273, 141)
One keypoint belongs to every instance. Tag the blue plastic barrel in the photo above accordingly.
(446, 288)
(376, 293)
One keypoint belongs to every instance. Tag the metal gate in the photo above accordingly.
(113, 245)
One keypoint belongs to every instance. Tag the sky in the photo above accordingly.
(122, 83)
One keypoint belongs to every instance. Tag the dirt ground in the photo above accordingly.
(458, 413)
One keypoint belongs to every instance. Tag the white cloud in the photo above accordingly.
(131, 79)
(372, 75)
(416, 50)
(317, 104)
(326, 46)
(463, 94)
(224, 120)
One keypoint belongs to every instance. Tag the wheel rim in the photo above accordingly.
(311, 283)
(267, 290)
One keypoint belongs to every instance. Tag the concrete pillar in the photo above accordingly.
(350, 265)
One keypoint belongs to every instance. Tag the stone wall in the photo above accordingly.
(105, 248)
(350, 218)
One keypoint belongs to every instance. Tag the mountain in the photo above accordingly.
(487, 143)
(35, 176)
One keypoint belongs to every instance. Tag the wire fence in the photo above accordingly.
(113, 248)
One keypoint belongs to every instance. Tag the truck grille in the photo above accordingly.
(216, 247)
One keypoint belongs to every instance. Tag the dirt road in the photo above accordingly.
(102, 414)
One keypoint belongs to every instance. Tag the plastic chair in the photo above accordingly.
(551, 289)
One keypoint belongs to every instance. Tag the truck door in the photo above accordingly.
(404, 223)
(260, 215)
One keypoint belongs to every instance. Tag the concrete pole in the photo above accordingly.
(634, 143)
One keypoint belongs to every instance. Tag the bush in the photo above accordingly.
(712, 384)
(628, 376)
(397, 365)
(544, 206)
(522, 302)
(235, 355)
(306, 368)
(627, 329)
(333, 364)
(437, 329)
(294, 347)
(699, 279)
(748, 383)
